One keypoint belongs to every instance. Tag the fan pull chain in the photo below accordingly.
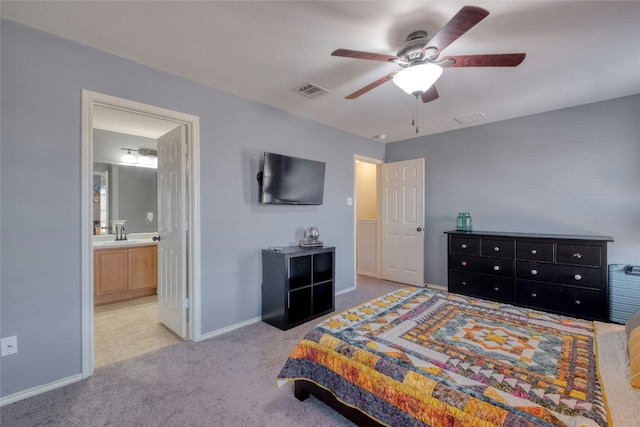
(417, 116)
(414, 115)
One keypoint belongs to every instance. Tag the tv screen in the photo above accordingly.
(287, 180)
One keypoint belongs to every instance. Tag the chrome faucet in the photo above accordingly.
(120, 235)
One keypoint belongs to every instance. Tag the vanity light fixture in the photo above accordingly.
(129, 158)
(144, 160)
(146, 157)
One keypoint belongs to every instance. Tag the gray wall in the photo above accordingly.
(571, 171)
(107, 145)
(42, 77)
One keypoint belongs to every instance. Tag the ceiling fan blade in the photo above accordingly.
(499, 60)
(462, 22)
(430, 95)
(370, 86)
(348, 53)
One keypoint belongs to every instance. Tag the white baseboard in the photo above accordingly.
(229, 328)
(344, 291)
(366, 273)
(438, 287)
(39, 389)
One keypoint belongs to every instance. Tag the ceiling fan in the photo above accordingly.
(420, 59)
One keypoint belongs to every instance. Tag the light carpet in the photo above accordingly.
(227, 380)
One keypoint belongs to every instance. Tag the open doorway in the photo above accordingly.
(125, 222)
(366, 216)
(389, 220)
(184, 283)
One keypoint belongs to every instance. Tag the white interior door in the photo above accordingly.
(172, 280)
(403, 222)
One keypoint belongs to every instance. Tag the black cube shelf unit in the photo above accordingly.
(565, 274)
(297, 285)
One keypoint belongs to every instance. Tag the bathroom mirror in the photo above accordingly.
(121, 191)
(127, 193)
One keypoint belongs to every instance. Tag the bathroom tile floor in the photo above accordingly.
(126, 329)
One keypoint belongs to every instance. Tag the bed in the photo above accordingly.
(421, 357)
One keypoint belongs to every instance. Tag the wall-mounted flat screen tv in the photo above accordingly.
(287, 180)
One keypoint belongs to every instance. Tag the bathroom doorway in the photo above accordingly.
(125, 150)
(98, 111)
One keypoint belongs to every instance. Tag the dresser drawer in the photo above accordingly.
(483, 265)
(566, 274)
(482, 286)
(579, 254)
(465, 245)
(563, 299)
(497, 248)
(535, 251)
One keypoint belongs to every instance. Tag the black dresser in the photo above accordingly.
(565, 274)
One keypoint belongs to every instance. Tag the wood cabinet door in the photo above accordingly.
(143, 267)
(110, 271)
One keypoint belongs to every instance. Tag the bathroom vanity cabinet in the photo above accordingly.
(124, 272)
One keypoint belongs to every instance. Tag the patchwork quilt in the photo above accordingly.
(421, 357)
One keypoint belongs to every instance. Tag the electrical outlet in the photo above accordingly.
(9, 345)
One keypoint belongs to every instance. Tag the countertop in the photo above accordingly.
(107, 241)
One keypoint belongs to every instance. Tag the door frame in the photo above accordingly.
(192, 124)
(378, 164)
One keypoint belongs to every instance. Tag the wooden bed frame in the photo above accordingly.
(304, 388)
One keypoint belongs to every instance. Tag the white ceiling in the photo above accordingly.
(577, 52)
(127, 122)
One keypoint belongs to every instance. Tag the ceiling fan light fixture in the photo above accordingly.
(418, 78)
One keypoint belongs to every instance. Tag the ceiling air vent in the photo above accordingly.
(310, 90)
(470, 119)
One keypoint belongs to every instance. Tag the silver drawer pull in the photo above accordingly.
(534, 295)
(533, 251)
(496, 267)
(578, 302)
(463, 246)
(496, 288)
(577, 255)
(464, 283)
(534, 272)
(496, 248)
(577, 277)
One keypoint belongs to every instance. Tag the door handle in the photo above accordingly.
(419, 229)
(156, 238)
